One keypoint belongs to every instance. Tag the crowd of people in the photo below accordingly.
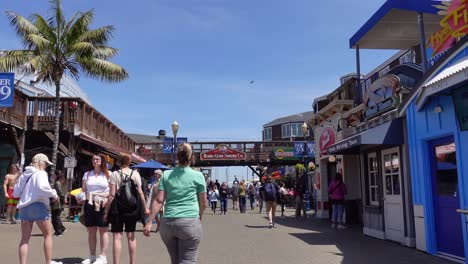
(116, 201)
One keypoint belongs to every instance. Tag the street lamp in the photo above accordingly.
(305, 130)
(175, 128)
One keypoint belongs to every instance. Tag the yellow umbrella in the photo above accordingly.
(76, 192)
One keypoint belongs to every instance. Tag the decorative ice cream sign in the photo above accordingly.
(7, 91)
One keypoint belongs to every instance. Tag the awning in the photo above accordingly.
(447, 78)
(389, 133)
(111, 149)
(395, 25)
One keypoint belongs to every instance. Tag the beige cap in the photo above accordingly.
(158, 172)
(41, 157)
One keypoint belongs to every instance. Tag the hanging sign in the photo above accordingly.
(327, 138)
(223, 152)
(304, 149)
(7, 89)
(168, 144)
(286, 153)
(453, 26)
(382, 96)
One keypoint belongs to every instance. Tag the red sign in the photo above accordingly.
(327, 138)
(454, 25)
(223, 152)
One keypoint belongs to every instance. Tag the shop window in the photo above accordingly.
(285, 130)
(391, 162)
(373, 179)
(296, 130)
(267, 135)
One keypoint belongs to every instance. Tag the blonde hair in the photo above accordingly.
(184, 154)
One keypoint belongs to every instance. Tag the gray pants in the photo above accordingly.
(182, 237)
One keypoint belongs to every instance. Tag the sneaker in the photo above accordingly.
(272, 225)
(89, 260)
(56, 262)
(58, 234)
(101, 260)
(341, 227)
(333, 226)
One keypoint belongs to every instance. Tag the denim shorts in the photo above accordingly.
(37, 211)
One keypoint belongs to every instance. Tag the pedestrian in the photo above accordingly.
(35, 194)
(184, 191)
(95, 186)
(259, 197)
(235, 195)
(154, 183)
(128, 219)
(283, 194)
(242, 197)
(299, 199)
(57, 206)
(337, 192)
(223, 196)
(213, 196)
(270, 193)
(251, 196)
(8, 185)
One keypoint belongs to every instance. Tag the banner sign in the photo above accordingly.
(7, 89)
(382, 95)
(223, 152)
(302, 149)
(168, 143)
(345, 144)
(284, 153)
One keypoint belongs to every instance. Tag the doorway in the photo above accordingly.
(446, 197)
(393, 200)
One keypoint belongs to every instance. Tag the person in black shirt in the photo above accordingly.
(223, 196)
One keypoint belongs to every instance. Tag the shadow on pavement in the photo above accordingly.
(352, 245)
(70, 260)
(262, 226)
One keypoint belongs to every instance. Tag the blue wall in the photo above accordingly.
(424, 126)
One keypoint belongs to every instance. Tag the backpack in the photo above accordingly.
(127, 199)
(270, 192)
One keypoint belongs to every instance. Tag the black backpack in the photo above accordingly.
(127, 199)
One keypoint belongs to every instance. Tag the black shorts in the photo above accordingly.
(94, 218)
(118, 224)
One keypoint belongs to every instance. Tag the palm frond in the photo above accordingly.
(37, 41)
(99, 36)
(43, 27)
(77, 27)
(22, 25)
(103, 70)
(81, 49)
(14, 59)
(58, 18)
(103, 52)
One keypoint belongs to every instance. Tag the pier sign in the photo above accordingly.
(223, 152)
(7, 89)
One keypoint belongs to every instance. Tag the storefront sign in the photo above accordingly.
(302, 149)
(284, 153)
(168, 143)
(223, 152)
(327, 138)
(7, 89)
(381, 96)
(345, 144)
(454, 25)
(460, 100)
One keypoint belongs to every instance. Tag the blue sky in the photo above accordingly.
(193, 60)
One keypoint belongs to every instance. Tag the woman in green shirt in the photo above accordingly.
(183, 190)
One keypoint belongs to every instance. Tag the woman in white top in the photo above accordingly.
(95, 184)
(213, 196)
(35, 194)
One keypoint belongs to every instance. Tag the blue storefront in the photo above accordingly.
(437, 122)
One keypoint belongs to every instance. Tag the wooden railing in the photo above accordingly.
(15, 115)
(77, 117)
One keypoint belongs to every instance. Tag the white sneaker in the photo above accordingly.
(56, 262)
(101, 260)
(89, 260)
(341, 227)
(333, 226)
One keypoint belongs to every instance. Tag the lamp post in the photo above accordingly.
(305, 130)
(175, 128)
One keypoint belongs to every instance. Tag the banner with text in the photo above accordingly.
(168, 144)
(7, 89)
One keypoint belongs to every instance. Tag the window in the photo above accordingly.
(285, 130)
(373, 179)
(296, 130)
(267, 133)
(391, 172)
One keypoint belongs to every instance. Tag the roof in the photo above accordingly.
(144, 139)
(395, 25)
(433, 71)
(296, 118)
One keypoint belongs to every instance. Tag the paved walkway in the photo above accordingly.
(237, 238)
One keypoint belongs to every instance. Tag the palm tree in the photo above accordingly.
(56, 47)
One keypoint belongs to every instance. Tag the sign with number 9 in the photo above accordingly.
(7, 87)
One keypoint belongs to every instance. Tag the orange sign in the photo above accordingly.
(454, 25)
